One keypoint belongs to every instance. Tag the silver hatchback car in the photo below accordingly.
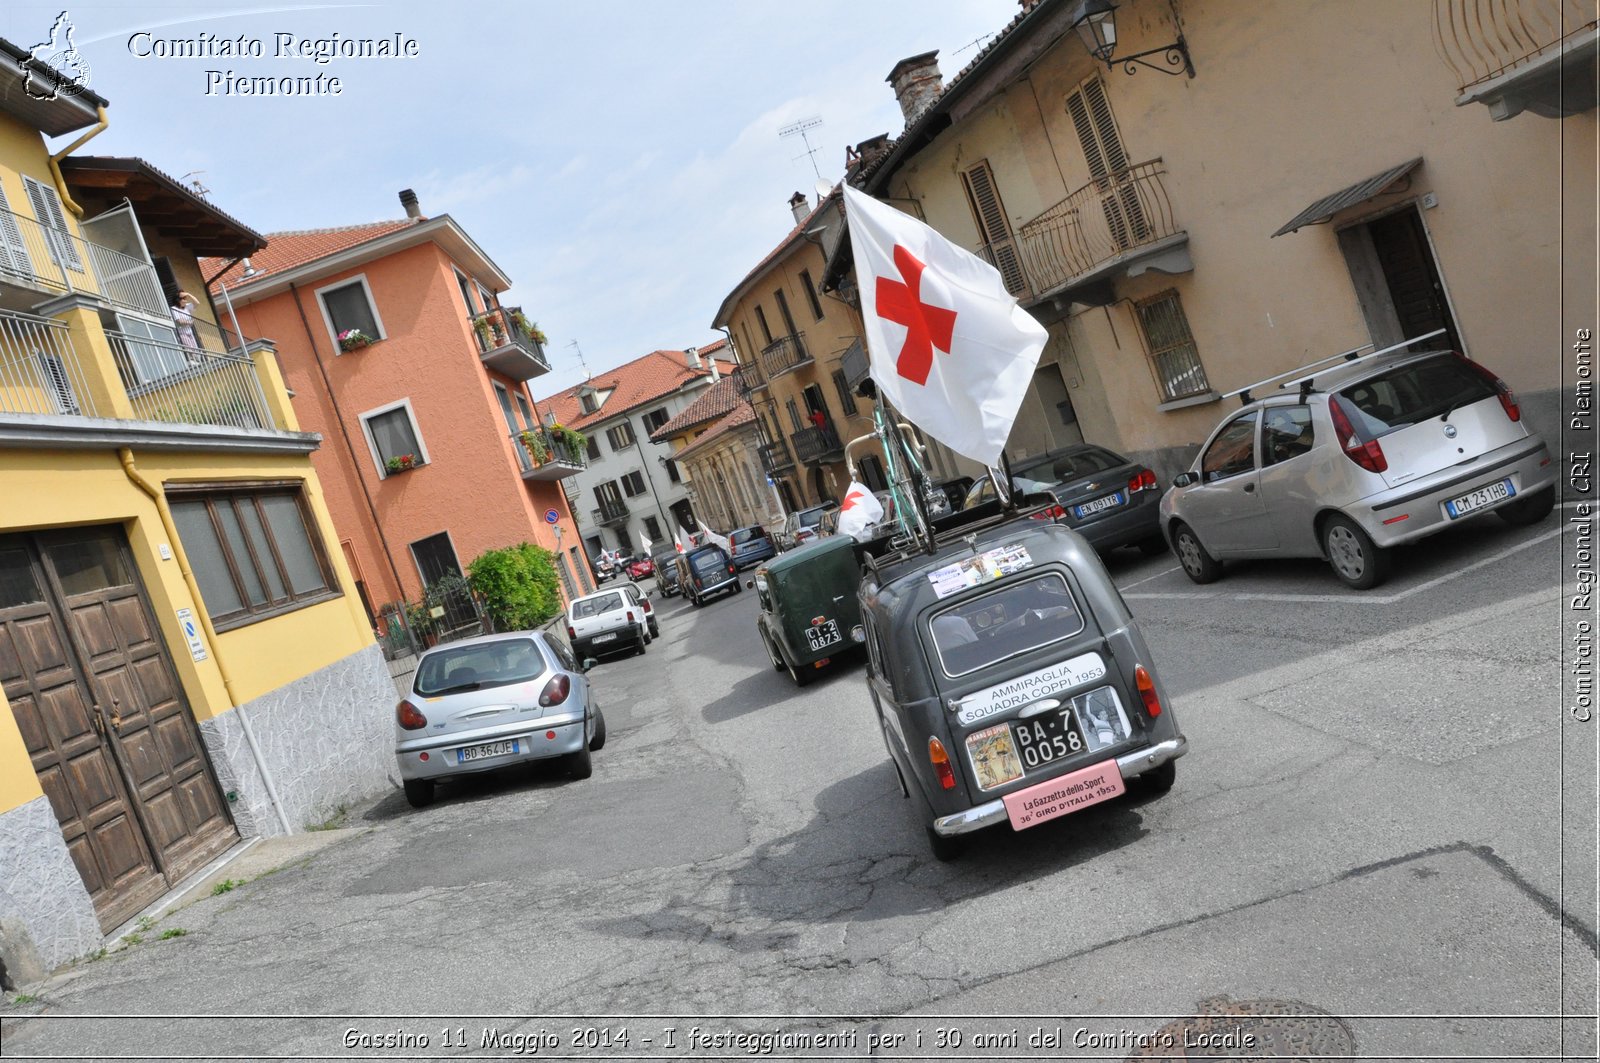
(1358, 458)
(486, 703)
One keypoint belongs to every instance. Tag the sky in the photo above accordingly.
(620, 162)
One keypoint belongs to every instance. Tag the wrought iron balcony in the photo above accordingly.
(611, 511)
(507, 343)
(46, 259)
(784, 354)
(545, 456)
(747, 378)
(815, 444)
(775, 457)
(1516, 55)
(1120, 222)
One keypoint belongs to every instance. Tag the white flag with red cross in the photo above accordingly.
(859, 511)
(948, 346)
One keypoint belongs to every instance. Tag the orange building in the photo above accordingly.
(400, 354)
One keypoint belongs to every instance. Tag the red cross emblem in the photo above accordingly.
(927, 326)
(850, 501)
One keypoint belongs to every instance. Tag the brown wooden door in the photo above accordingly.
(111, 739)
(1413, 278)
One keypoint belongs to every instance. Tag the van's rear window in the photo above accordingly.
(584, 608)
(1411, 394)
(1004, 622)
(473, 667)
(705, 563)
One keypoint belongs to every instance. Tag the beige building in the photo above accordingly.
(1310, 179)
(717, 445)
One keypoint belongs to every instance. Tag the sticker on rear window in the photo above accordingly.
(976, 571)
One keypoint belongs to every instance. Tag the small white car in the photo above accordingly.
(1354, 459)
(608, 621)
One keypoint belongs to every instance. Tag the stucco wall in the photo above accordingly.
(46, 917)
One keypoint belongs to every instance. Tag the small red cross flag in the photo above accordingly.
(948, 346)
(859, 511)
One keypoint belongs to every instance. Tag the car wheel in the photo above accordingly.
(599, 740)
(945, 849)
(772, 652)
(738, 588)
(801, 676)
(1159, 780)
(1152, 546)
(1198, 565)
(1356, 559)
(644, 643)
(655, 630)
(579, 765)
(419, 792)
(1530, 509)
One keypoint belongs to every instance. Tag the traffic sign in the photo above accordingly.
(552, 517)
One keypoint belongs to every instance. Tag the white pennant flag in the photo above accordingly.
(713, 537)
(678, 541)
(649, 547)
(859, 511)
(948, 346)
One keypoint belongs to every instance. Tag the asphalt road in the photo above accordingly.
(1370, 849)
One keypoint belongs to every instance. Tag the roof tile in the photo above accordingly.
(631, 384)
(286, 250)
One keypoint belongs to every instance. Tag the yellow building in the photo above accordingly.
(716, 443)
(1228, 190)
(182, 658)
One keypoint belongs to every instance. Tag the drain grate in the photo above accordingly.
(1251, 1029)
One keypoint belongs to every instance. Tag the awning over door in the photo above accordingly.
(1328, 206)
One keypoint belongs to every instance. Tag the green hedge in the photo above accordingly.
(518, 585)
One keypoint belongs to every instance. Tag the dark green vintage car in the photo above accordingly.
(809, 614)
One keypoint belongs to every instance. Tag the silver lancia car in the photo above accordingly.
(1357, 458)
(490, 702)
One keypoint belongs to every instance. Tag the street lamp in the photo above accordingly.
(1096, 23)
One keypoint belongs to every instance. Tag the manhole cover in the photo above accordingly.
(1251, 1029)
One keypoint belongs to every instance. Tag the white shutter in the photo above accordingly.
(47, 208)
(13, 251)
(996, 229)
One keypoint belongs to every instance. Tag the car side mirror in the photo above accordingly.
(1184, 479)
(588, 663)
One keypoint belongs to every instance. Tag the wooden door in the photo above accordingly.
(1413, 278)
(104, 721)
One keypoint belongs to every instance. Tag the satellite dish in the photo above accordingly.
(824, 186)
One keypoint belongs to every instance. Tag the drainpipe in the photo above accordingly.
(55, 162)
(160, 499)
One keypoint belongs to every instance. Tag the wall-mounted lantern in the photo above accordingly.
(1096, 23)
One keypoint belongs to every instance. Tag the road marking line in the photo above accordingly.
(1158, 575)
(1357, 597)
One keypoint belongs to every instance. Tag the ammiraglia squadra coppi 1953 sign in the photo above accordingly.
(319, 51)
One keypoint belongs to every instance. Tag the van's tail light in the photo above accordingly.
(1508, 398)
(1147, 691)
(941, 764)
(572, 632)
(1144, 481)
(697, 583)
(555, 691)
(409, 716)
(630, 616)
(646, 603)
(1368, 455)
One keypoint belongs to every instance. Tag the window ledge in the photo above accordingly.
(1193, 400)
(246, 619)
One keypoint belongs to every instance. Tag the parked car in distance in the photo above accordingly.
(637, 595)
(955, 489)
(1359, 458)
(706, 571)
(485, 703)
(751, 546)
(1009, 680)
(1108, 499)
(607, 566)
(809, 614)
(640, 567)
(666, 562)
(607, 621)
(801, 526)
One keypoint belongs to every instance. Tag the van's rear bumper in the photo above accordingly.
(1130, 764)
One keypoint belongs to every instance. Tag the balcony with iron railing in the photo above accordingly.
(543, 455)
(509, 344)
(42, 258)
(1121, 224)
(611, 511)
(817, 443)
(747, 378)
(136, 382)
(783, 354)
(775, 457)
(1516, 55)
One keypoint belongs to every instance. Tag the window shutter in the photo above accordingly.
(47, 208)
(1107, 160)
(13, 252)
(990, 215)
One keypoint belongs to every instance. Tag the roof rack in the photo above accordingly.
(953, 530)
(1352, 355)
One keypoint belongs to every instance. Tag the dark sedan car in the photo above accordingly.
(1099, 494)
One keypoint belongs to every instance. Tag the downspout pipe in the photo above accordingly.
(55, 162)
(160, 499)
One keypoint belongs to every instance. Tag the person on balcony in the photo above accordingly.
(819, 419)
(183, 320)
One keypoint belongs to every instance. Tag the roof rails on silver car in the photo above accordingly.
(1323, 364)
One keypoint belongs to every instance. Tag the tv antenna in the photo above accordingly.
(800, 129)
(586, 374)
(195, 184)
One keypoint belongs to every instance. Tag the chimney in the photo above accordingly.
(916, 82)
(408, 200)
(691, 356)
(716, 370)
(800, 207)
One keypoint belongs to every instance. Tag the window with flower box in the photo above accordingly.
(394, 438)
(351, 314)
